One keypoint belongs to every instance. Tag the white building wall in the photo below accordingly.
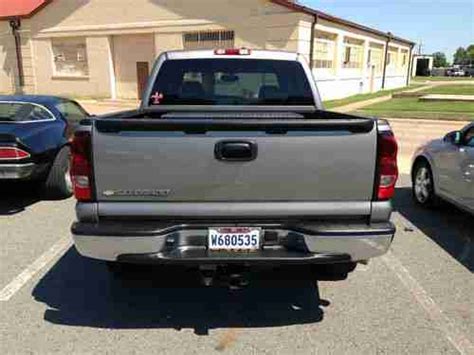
(339, 82)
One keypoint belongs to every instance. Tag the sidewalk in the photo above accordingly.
(99, 107)
(361, 104)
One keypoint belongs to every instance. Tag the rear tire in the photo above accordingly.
(58, 182)
(423, 185)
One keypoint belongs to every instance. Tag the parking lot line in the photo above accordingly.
(22, 279)
(450, 329)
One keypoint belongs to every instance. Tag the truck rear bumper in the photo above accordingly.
(187, 244)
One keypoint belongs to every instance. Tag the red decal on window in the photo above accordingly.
(157, 97)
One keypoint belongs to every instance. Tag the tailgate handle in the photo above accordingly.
(236, 151)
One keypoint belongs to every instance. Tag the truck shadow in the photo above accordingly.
(81, 292)
(16, 197)
(449, 227)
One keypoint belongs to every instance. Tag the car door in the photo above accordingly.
(466, 167)
(446, 159)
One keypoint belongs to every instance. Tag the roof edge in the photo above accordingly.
(323, 15)
(33, 12)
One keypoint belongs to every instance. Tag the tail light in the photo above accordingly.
(13, 153)
(233, 51)
(387, 168)
(81, 167)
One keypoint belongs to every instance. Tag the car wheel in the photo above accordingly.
(58, 183)
(423, 185)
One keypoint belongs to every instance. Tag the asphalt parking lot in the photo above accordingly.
(416, 299)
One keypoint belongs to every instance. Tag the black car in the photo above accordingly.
(34, 140)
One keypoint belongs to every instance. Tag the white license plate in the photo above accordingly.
(234, 238)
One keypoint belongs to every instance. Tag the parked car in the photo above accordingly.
(455, 72)
(34, 140)
(231, 160)
(444, 168)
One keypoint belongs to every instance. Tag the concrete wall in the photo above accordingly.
(8, 69)
(8, 61)
(128, 50)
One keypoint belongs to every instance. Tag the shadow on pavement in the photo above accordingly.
(451, 228)
(16, 197)
(81, 292)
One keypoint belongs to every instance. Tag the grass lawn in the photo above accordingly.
(451, 90)
(362, 97)
(413, 108)
(440, 78)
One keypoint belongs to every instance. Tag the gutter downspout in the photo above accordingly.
(389, 37)
(15, 25)
(410, 63)
(311, 44)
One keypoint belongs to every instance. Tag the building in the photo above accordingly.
(422, 65)
(105, 48)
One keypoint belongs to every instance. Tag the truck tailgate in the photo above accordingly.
(234, 160)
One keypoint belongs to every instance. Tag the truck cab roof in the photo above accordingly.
(245, 53)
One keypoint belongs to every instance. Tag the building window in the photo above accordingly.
(208, 39)
(324, 50)
(404, 58)
(375, 58)
(353, 53)
(70, 56)
(392, 57)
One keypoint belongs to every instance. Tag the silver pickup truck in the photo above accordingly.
(231, 160)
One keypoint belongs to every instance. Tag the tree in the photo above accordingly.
(461, 56)
(470, 53)
(439, 60)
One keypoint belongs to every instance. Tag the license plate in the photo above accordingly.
(234, 238)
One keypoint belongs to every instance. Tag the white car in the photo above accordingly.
(444, 168)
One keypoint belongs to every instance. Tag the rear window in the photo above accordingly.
(22, 112)
(231, 82)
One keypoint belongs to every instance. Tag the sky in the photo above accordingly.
(441, 25)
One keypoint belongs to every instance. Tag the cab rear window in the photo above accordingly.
(231, 82)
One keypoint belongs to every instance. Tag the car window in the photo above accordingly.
(469, 137)
(231, 82)
(23, 112)
(71, 111)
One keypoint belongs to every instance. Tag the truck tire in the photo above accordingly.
(423, 185)
(57, 184)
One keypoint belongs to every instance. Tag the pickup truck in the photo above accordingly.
(231, 161)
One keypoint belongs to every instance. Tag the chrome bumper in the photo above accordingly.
(16, 171)
(188, 244)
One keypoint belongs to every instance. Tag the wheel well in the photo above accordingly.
(422, 159)
(417, 161)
